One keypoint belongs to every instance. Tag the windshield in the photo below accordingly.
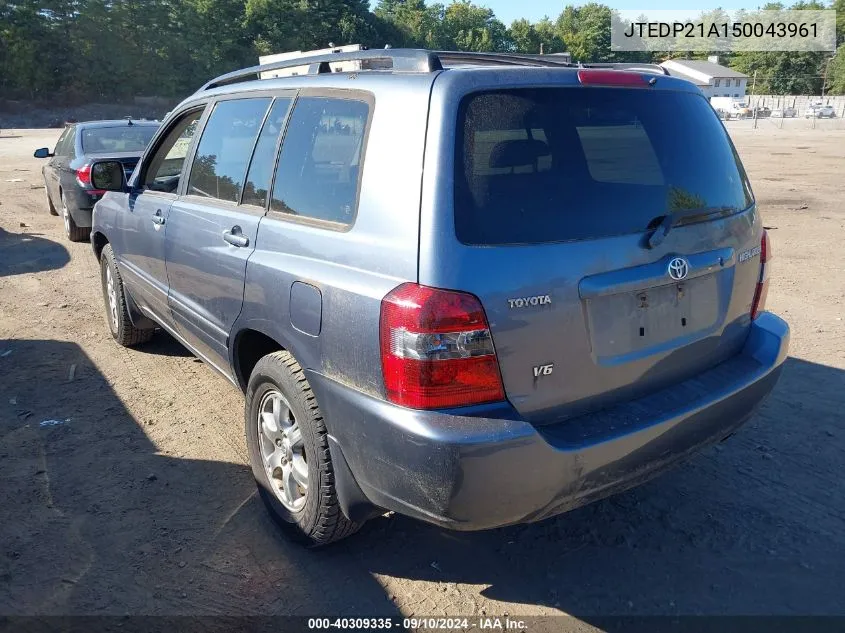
(556, 164)
(124, 138)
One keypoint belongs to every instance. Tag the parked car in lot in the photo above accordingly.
(783, 113)
(819, 111)
(731, 107)
(475, 289)
(67, 175)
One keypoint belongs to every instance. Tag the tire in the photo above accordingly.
(74, 233)
(311, 514)
(50, 206)
(114, 296)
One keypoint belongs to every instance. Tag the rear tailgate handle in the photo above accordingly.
(235, 237)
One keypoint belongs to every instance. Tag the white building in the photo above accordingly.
(347, 66)
(713, 79)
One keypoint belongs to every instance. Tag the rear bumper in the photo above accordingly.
(484, 467)
(81, 205)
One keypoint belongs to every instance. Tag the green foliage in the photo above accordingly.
(85, 50)
(836, 73)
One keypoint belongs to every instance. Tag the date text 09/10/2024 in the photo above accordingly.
(419, 623)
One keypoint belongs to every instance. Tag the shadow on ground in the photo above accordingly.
(751, 526)
(97, 521)
(29, 253)
(163, 344)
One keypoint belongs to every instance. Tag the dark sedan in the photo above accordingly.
(67, 176)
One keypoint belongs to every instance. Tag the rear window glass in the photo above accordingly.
(558, 164)
(126, 138)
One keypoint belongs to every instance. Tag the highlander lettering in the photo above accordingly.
(746, 255)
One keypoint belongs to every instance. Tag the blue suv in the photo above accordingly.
(475, 289)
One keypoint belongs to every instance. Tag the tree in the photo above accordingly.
(836, 73)
(416, 24)
(469, 27)
(534, 38)
(524, 37)
(586, 30)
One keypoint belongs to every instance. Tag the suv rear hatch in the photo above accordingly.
(557, 192)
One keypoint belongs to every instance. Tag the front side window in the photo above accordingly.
(223, 153)
(165, 166)
(320, 162)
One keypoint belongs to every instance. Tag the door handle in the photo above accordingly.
(158, 218)
(235, 237)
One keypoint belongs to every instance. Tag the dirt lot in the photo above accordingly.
(140, 501)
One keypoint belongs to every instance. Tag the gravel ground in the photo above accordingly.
(124, 487)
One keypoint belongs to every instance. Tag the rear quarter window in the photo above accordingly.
(559, 164)
(319, 171)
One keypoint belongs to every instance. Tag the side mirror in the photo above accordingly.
(108, 175)
(42, 153)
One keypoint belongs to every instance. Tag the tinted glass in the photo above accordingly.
(264, 157)
(126, 138)
(62, 143)
(321, 159)
(223, 153)
(165, 166)
(556, 164)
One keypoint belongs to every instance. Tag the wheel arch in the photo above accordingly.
(98, 243)
(249, 345)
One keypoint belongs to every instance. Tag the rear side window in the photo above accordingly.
(64, 145)
(320, 164)
(223, 153)
(559, 164)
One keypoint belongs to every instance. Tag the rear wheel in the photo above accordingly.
(114, 296)
(289, 452)
(74, 233)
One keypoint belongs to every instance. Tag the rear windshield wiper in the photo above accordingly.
(668, 221)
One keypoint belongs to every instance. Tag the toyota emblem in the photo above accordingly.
(678, 268)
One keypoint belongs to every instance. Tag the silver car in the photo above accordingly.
(474, 289)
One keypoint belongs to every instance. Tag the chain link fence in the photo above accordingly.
(800, 107)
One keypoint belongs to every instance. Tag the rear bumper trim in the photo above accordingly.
(484, 467)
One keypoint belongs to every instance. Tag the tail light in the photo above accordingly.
(436, 349)
(762, 290)
(83, 176)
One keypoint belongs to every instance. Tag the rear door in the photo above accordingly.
(556, 192)
(212, 228)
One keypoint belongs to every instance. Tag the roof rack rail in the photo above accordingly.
(656, 69)
(402, 59)
(504, 59)
(417, 60)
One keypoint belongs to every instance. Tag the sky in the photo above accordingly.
(509, 10)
